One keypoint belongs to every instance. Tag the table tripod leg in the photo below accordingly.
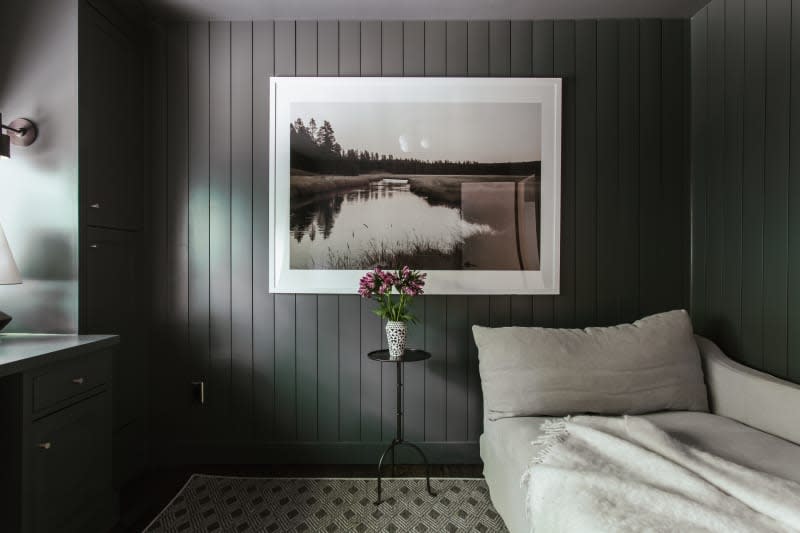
(427, 466)
(398, 432)
(380, 466)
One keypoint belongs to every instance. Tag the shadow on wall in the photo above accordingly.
(42, 260)
(49, 289)
(51, 312)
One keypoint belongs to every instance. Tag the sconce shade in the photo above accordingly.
(9, 273)
(5, 146)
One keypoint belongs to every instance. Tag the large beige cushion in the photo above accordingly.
(650, 365)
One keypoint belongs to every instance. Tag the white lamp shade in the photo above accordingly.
(9, 273)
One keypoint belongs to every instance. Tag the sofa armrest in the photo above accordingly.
(749, 396)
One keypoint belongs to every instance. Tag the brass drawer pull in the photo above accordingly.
(78, 381)
(44, 445)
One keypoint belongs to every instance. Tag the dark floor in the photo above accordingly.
(143, 498)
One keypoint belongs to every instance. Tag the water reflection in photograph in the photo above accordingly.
(388, 221)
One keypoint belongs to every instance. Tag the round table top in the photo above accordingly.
(408, 357)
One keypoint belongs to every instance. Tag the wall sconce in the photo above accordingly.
(22, 133)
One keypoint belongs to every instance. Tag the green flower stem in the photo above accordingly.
(395, 310)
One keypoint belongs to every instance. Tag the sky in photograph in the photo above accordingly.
(483, 132)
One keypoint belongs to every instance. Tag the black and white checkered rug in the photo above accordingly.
(272, 505)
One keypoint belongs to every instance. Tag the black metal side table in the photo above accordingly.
(410, 356)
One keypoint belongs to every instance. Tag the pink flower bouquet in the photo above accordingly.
(382, 285)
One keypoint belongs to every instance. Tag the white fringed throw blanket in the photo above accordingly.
(624, 474)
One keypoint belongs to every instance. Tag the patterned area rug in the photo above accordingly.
(271, 505)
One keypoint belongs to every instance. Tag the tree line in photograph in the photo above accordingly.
(314, 149)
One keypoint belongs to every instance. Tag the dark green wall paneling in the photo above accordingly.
(586, 222)
(176, 187)
(263, 302)
(793, 288)
(627, 220)
(241, 238)
(752, 349)
(198, 212)
(284, 369)
(608, 187)
(734, 100)
(218, 373)
(699, 178)
(776, 176)
(564, 67)
(674, 183)
(745, 113)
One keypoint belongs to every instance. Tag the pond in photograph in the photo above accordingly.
(432, 222)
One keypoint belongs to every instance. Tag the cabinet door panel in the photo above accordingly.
(110, 125)
(71, 467)
(112, 304)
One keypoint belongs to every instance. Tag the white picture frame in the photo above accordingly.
(288, 93)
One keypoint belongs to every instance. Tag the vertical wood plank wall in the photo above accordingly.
(745, 144)
(286, 375)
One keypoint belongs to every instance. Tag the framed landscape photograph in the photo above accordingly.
(457, 177)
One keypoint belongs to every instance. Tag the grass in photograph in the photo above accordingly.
(412, 251)
(306, 184)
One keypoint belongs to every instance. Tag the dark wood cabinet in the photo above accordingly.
(112, 229)
(56, 441)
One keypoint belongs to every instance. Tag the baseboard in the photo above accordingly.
(249, 452)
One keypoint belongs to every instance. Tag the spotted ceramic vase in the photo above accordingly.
(396, 333)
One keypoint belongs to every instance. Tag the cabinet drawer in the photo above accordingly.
(71, 378)
(70, 475)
